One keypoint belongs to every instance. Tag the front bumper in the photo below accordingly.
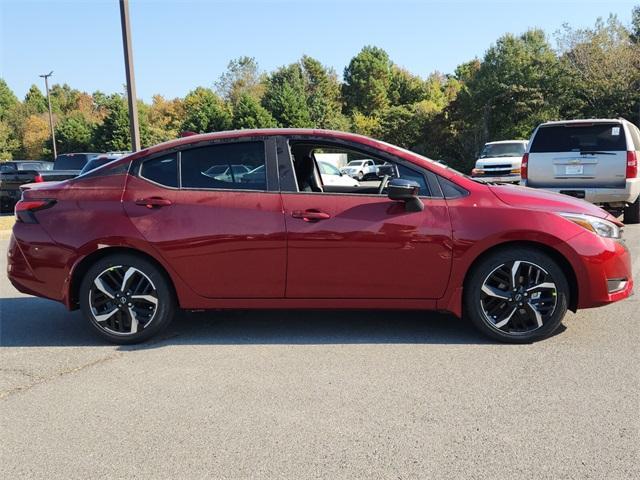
(597, 262)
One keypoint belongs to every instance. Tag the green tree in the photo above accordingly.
(204, 112)
(323, 95)
(74, 133)
(8, 100)
(113, 133)
(242, 77)
(64, 99)
(635, 24)
(285, 97)
(34, 101)
(248, 113)
(600, 71)
(367, 79)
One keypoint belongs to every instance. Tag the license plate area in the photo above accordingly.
(574, 170)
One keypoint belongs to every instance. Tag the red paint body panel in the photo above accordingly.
(233, 249)
(370, 247)
(218, 242)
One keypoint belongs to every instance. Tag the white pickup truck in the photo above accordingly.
(499, 162)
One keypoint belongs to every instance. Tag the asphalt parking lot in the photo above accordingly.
(318, 395)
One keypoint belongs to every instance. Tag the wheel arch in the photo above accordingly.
(81, 268)
(557, 256)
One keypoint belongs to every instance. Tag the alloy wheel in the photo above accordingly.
(518, 297)
(123, 300)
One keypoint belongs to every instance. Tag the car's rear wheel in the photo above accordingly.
(517, 296)
(632, 213)
(126, 299)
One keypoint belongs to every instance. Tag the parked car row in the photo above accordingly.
(17, 174)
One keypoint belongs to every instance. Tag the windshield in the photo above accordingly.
(328, 169)
(496, 150)
(355, 163)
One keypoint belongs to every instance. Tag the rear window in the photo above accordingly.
(580, 138)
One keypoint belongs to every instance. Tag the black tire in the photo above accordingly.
(523, 324)
(632, 213)
(146, 276)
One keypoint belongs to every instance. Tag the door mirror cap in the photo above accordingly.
(402, 190)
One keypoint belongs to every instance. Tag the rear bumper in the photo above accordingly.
(600, 264)
(35, 265)
(628, 194)
(497, 178)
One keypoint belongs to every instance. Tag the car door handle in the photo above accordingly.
(310, 215)
(153, 202)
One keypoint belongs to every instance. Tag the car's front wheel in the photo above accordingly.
(126, 299)
(360, 176)
(517, 296)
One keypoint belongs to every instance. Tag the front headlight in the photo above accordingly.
(599, 226)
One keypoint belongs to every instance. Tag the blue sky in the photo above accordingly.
(179, 45)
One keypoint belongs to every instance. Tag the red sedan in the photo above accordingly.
(243, 220)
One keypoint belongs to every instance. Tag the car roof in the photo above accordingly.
(506, 141)
(585, 120)
(194, 140)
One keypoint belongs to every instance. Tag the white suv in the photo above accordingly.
(596, 160)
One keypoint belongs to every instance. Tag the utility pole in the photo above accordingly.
(131, 81)
(53, 134)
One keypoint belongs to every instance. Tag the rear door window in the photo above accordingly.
(591, 137)
(238, 166)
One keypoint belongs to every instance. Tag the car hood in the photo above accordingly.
(491, 161)
(525, 197)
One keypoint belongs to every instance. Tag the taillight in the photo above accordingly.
(25, 209)
(524, 168)
(38, 179)
(632, 164)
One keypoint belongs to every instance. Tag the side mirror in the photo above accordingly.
(402, 190)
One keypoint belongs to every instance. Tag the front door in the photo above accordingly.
(350, 245)
(220, 225)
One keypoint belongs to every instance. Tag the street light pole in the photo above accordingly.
(53, 133)
(131, 82)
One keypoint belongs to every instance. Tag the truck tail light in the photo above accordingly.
(25, 209)
(38, 179)
(632, 164)
(524, 168)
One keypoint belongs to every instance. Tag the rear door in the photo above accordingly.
(589, 154)
(223, 234)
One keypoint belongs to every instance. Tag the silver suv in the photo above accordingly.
(596, 160)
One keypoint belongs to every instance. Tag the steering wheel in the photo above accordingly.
(383, 184)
